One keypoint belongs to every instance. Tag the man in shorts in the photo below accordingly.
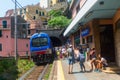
(70, 58)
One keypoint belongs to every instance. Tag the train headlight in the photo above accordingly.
(49, 51)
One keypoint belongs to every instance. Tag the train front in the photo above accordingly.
(41, 48)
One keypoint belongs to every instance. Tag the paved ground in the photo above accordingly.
(82, 76)
(89, 75)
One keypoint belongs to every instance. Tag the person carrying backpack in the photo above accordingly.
(82, 60)
(70, 58)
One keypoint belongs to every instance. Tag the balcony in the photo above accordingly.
(5, 28)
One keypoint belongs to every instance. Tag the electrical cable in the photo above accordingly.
(20, 6)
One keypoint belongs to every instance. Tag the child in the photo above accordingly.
(102, 63)
(82, 60)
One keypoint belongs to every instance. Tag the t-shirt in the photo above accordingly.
(82, 57)
(104, 61)
(70, 52)
(63, 50)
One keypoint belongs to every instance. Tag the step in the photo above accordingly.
(113, 68)
(111, 72)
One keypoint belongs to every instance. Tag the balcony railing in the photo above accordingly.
(2, 28)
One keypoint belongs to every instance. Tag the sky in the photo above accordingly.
(8, 4)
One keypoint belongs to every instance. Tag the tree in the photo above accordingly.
(57, 20)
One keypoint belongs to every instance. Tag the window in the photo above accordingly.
(83, 41)
(24, 10)
(20, 11)
(78, 8)
(34, 17)
(39, 13)
(0, 33)
(28, 31)
(4, 23)
(36, 11)
(0, 47)
(24, 26)
(37, 42)
(42, 13)
(89, 39)
(26, 45)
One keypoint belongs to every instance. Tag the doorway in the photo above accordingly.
(107, 42)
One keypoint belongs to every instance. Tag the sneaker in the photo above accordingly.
(95, 70)
(99, 70)
(91, 70)
(84, 70)
(81, 71)
(71, 72)
(68, 72)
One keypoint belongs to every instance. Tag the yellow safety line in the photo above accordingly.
(60, 73)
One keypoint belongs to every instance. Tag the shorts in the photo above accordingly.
(93, 59)
(70, 61)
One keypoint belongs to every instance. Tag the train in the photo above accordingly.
(41, 48)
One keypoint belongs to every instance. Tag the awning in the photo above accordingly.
(93, 9)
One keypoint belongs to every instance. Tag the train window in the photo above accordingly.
(37, 42)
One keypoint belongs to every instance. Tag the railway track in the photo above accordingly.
(36, 74)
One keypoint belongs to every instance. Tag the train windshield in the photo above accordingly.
(41, 41)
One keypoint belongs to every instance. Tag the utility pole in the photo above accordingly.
(15, 31)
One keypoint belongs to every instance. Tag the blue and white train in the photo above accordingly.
(41, 48)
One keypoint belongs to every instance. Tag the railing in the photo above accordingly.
(6, 28)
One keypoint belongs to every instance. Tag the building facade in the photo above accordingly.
(7, 40)
(97, 24)
(45, 3)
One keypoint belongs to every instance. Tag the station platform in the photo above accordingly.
(60, 72)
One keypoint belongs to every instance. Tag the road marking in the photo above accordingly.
(60, 73)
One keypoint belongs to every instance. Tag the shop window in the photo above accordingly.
(83, 41)
(4, 23)
(89, 39)
(0, 47)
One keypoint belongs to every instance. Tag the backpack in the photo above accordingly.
(70, 52)
(82, 57)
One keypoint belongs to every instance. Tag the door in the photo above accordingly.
(107, 42)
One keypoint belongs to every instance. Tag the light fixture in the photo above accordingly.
(89, 14)
(101, 2)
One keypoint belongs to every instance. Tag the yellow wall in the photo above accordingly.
(105, 21)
